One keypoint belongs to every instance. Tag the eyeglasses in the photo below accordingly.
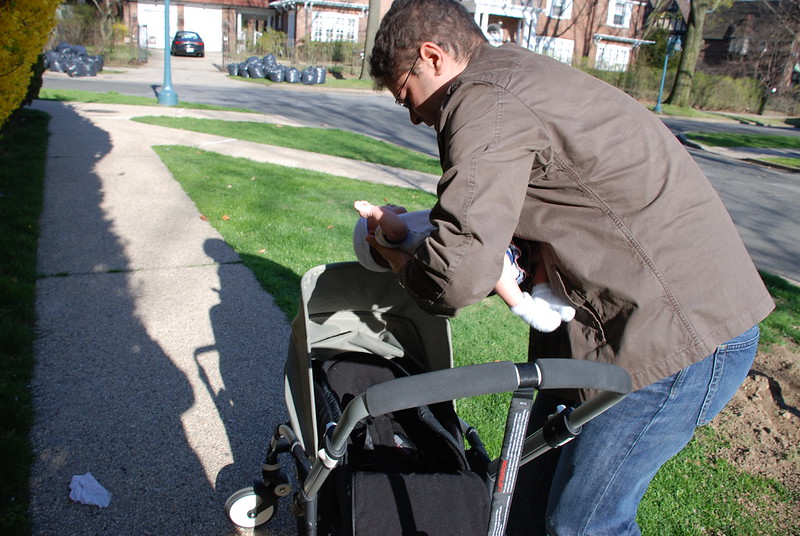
(397, 100)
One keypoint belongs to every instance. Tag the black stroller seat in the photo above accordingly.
(399, 464)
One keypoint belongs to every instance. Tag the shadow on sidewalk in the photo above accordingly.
(108, 399)
(250, 397)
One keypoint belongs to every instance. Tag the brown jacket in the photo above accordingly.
(630, 229)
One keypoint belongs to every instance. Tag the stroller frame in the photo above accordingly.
(347, 308)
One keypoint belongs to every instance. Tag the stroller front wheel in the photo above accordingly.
(247, 509)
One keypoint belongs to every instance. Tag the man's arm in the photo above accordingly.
(490, 142)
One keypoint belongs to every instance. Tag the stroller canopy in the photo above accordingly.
(347, 308)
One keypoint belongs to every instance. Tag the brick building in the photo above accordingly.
(605, 32)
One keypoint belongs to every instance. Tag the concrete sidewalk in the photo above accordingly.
(159, 358)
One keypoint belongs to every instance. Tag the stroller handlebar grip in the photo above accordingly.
(498, 377)
(581, 374)
(440, 386)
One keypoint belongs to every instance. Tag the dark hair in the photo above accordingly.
(409, 23)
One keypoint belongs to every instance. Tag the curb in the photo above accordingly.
(772, 165)
(689, 143)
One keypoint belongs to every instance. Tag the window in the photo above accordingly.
(612, 57)
(559, 9)
(331, 26)
(555, 47)
(619, 13)
(739, 45)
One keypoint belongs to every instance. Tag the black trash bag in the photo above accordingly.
(98, 62)
(292, 76)
(269, 61)
(256, 70)
(70, 64)
(252, 59)
(81, 69)
(51, 56)
(309, 76)
(69, 57)
(91, 68)
(322, 73)
(276, 74)
(233, 69)
(56, 66)
(78, 50)
(62, 46)
(243, 70)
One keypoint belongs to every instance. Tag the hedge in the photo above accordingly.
(709, 92)
(25, 26)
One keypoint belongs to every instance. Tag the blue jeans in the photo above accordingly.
(593, 485)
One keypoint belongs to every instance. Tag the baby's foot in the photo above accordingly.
(545, 292)
(364, 208)
(537, 313)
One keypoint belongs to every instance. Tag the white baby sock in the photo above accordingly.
(537, 313)
(544, 292)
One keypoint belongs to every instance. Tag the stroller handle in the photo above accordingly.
(464, 382)
(498, 377)
(579, 374)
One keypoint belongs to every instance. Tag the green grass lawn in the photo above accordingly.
(697, 493)
(319, 140)
(683, 111)
(112, 97)
(786, 162)
(759, 141)
(257, 207)
(762, 141)
(23, 147)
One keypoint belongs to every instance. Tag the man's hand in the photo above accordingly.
(397, 258)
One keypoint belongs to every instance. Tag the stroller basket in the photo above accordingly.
(378, 447)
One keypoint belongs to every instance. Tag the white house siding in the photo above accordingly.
(203, 20)
(152, 16)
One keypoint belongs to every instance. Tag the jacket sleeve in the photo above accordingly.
(491, 146)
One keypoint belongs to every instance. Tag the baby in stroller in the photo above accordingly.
(395, 227)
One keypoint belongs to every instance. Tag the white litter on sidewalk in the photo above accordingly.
(86, 490)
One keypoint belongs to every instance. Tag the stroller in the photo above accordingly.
(372, 430)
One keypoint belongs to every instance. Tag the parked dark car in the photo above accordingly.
(188, 44)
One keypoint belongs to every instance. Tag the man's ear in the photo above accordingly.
(433, 53)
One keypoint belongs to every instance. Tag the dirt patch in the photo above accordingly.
(762, 422)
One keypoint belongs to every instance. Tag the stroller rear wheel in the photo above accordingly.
(247, 509)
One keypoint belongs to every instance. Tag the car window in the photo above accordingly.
(186, 35)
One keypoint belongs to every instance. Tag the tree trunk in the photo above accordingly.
(682, 87)
(107, 9)
(373, 21)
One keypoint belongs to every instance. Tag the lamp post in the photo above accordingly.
(673, 46)
(167, 97)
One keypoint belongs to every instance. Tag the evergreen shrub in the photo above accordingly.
(25, 27)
